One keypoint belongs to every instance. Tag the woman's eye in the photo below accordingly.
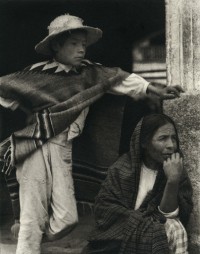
(174, 139)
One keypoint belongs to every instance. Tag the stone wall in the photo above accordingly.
(185, 112)
(183, 68)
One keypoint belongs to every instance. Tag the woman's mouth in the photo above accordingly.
(167, 155)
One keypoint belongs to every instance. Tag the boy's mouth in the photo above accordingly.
(79, 58)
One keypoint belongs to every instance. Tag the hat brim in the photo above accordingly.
(93, 35)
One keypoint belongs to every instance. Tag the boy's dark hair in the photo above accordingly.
(151, 123)
(62, 37)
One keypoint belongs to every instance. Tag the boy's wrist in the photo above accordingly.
(152, 89)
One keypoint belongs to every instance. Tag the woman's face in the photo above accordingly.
(163, 144)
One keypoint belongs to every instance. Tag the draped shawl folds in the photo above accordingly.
(54, 102)
(118, 224)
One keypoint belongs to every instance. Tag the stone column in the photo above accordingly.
(183, 68)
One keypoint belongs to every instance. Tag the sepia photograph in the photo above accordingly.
(99, 127)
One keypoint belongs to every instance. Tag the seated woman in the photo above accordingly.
(146, 199)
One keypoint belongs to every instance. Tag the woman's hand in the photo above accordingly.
(173, 168)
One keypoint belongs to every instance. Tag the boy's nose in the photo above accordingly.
(81, 49)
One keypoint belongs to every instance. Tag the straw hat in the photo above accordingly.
(65, 23)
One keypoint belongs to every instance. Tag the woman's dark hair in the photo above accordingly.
(151, 123)
(62, 37)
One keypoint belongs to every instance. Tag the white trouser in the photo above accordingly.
(47, 200)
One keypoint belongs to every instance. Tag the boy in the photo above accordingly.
(57, 99)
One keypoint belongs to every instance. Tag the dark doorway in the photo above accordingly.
(24, 23)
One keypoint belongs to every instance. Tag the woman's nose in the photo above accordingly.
(170, 143)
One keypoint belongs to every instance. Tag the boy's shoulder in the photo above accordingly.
(50, 64)
(37, 66)
(86, 62)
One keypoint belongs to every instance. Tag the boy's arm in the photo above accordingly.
(13, 105)
(135, 85)
(165, 92)
(7, 103)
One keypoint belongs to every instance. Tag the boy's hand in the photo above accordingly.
(173, 168)
(165, 92)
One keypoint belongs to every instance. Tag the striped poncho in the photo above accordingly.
(53, 100)
(121, 229)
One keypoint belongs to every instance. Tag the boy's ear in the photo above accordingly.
(55, 46)
(144, 145)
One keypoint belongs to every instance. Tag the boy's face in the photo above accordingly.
(73, 50)
(163, 144)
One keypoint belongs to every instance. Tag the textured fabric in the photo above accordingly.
(53, 110)
(45, 207)
(43, 176)
(24, 143)
(177, 236)
(7, 103)
(147, 180)
(132, 86)
(139, 231)
(170, 215)
(74, 130)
